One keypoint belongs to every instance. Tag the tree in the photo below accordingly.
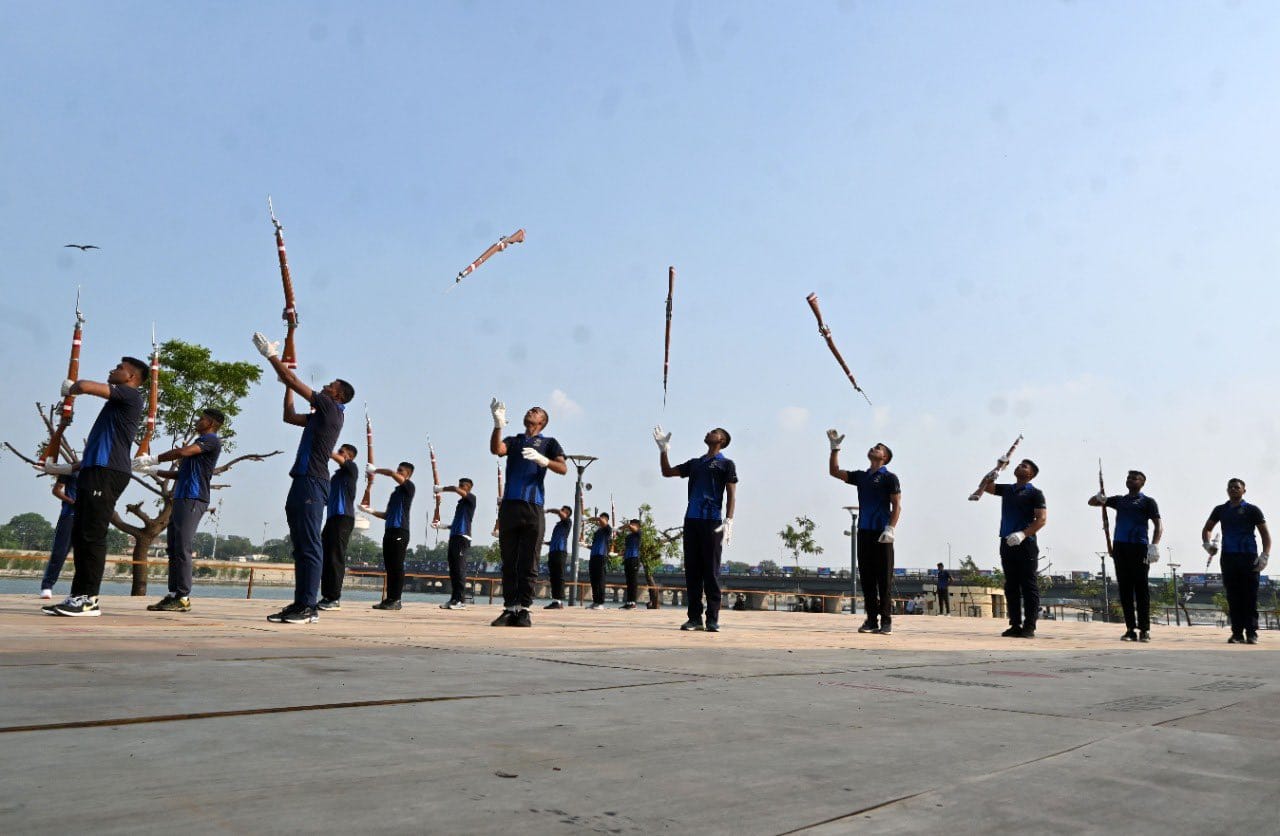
(31, 531)
(798, 540)
(769, 567)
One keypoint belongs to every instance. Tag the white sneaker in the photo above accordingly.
(596, 607)
(454, 605)
(78, 606)
(46, 594)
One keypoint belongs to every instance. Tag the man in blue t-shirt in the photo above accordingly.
(1241, 563)
(395, 536)
(459, 541)
(944, 590)
(880, 505)
(712, 479)
(197, 461)
(529, 456)
(309, 495)
(64, 488)
(600, 541)
(631, 562)
(335, 537)
(557, 553)
(1022, 513)
(104, 471)
(1132, 553)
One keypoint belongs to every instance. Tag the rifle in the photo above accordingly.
(51, 448)
(505, 241)
(153, 399)
(499, 502)
(825, 332)
(289, 355)
(1106, 521)
(368, 440)
(666, 351)
(1001, 464)
(435, 481)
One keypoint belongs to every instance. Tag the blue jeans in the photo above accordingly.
(61, 548)
(304, 510)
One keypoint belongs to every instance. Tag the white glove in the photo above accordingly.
(145, 471)
(367, 510)
(265, 347)
(992, 476)
(499, 411)
(145, 462)
(370, 470)
(532, 455)
(66, 387)
(1211, 548)
(435, 524)
(727, 528)
(1153, 554)
(1015, 539)
(437, 489)
(886, 536)
(663, 439)
(1101, 497)
(835, 439)
(1003, 461)
(57, 468)
(1260, 562)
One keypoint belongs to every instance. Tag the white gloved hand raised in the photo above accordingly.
(532, 455)
(437, 489)
(727, 528)
(886, 536)
(835, 439)
(57, 468)
(663, 440)
(499, 411)
(1101, 497)
(1153, 554)
(66, 387)
(1260, 562)
(265, 347)
(144, 462)
(1003, 461)
(1211, 548)
(370, 470)
(1015, 539)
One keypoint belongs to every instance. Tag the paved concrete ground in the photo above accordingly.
(615, 722)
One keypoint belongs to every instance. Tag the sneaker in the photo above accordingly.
(712, 626)
(1012, 633)
(503, 620)
(453, 605)
(1027, 633)
(1250, 637)
(77, 606)
(386, 605)
(171, 603)
(630, 605)
(329, 604)
(691, 624)
(1144, 636)
(1236, 638)
(869, 626)
(885, 629)
(1129, 636)
(520, 619)
(46, 594)
(295, 614)
(554, 605)
(596, 607)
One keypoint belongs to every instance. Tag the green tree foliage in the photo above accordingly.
(191, 380)
(798, 539)
(28, 531)
(769, 567)
(971, 575)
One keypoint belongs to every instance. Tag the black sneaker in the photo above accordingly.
(295, 614)
(172, 603)
(885, 629)
(161, 605)
(712, 626)
(520, 619)
(554, 605)
(869, 626)
(503, 620)
(691, 624)
(387, 605)
(630, 605)
(1027, 633)
(1012, 633)
(1144, 636)
(1129, 636)
(78, 606)
(329, 604)
(1236, 638)
(1250, 637)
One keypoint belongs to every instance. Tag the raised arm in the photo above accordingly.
(833, 463)
(663, 440)
(90, 387)
(382, 471)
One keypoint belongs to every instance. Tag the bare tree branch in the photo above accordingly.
(23, 456)
(257, 457)
(127, 528)
(135, 508)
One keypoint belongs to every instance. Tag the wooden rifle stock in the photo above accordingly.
(1106, 521)
(666, 351)
(498, 504)
(368, 440)
(51, 449)
(153, 398)
(505, 241)
(1000, 465)
(289, 356)
(825, 332)
(435, 480)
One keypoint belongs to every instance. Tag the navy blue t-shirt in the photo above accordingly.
(342, 490)
(195, 472)
(524, 478)
(707, 477)
(324, 424)
(462, 515)
(631, 551)
(600, 541)
(560, 535)
(944, 579)
(1132, 515)
(1238, 524)
(1018, 507)
(399, 504)
(110, 442)
(874, 490)
(68, 484)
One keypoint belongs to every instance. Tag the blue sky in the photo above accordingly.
(1049, 218)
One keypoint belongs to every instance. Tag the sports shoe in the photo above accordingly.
(171, 603)
(630, 605)
(554, 605)
(386, 605)
(691, 624)
(596, 607)
(520, 619)
(712, 626)
(503, 620)
(1250, 637)
(885, 629)
(1144, 636)
(1129, 636)
(77, 606)
(295, 614)
(1236, 638)
(869, 626)
(1027, 633)
(1012, 633)
(453, 605)
(329, 604)
(46, 594)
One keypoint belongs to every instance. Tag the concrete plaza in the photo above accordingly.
(613, 721)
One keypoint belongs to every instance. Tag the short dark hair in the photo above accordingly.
(465, 481)
(216, 414)
(1035, 468)
(888, 454)
(1237, 479)
(406, 464)
(633, 522)
(726, 435)
(352, 448)
(567, 508)
(939, 564)
(346, 390)
(141, 365)
(1138, 473)
(603, 514)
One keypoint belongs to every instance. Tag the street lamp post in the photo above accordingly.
(1173, 572)
(1106, 594)
(853, 556)
(581, 462)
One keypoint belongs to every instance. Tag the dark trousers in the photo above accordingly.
(875, 569)
(180, 543)
(97, 491)
(595, 567)
(1021, 592)
(458, 546)
(632, 568)
(304, 511)
(702, 548)
(1241, 583)
(555, 568)
(334, 540)
(61, 548)
(520, 528)
(944, 600)
(1131, 576)
(395, 544)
